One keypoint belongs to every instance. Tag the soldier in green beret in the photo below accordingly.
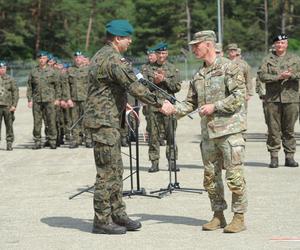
(166, 76)
(110, 78)
(280, 71)
(9, 96)
(217, 90)
(43, 95)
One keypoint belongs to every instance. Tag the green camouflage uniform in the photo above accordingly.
(156, 120)
(78, 83)
(9, 96)
(282, 101)
(43, 90)
(260, 89)
(222, 145)
(110, 78)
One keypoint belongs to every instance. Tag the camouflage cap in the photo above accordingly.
(205, 35)
(232, 46)
(2, 64)
(219, 47)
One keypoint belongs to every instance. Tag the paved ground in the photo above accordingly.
(36, 212)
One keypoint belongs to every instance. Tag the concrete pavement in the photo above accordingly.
(37, 214)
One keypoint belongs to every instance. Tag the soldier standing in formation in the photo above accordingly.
(43, 95)
(110, 77)
(9, 96)
(78, 84)
(166, 76)
(218, 89)
(280, 71)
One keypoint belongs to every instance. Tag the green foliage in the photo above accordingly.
(64, 24)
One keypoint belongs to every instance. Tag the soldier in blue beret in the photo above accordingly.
(110, 78)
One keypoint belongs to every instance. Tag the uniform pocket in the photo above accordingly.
(237, 145)
(103, 155)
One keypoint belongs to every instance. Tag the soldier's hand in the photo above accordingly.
(63, 104)
(285, 74)
(158, 77)
(70, 103)
(167, 108)
(29, 105)
(12, 109)
(56, 102)
(207, 109)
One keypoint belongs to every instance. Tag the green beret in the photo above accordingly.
(150, 51)
(161, 47)
(78, 53)
(119, 27)
(2, 64)
(205, 35)
(42, 53)
(232, 46)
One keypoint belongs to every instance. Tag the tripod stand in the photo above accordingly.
(173, 186)
(138, 191)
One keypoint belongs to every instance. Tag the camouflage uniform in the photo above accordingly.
(171, 84)
(282, 101)
(260, 89)
(43, 90)
(110, 78)
(9, 96)
(246, 69)
(223, 85)
(78, 83)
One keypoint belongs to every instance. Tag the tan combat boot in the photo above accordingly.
(236, 225)
(218, 221)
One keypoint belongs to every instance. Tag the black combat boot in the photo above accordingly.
(162, 142)
(9, 146)
(74, 144)
(131, 225)
(274, 162)
(37, 145)
(154, 167)
(53, 146)
(110, 228)
(88, 144)
(290, 162)
(46, 144)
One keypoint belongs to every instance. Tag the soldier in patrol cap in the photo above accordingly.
(219, 49)
(110, 78)
(218, 91)
(280, 71)
(9, 96)
(166, 76)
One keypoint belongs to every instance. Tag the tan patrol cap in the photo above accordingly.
(201, 36)
(219, 47)
(232, 46)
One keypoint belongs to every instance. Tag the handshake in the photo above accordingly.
(167, 108)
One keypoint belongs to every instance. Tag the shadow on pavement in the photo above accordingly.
(170, 219)
(83, 225)
(256, 164)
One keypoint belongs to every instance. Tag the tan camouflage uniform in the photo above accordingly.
(223, 85)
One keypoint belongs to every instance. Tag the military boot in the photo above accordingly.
(154, 167)
(290, 162)
(88, 144)
(9, 146)
(129, 224)
(73, 144)
(236, 225)
(274, 162)
(37, 145)
(218, 221)
(110, 228)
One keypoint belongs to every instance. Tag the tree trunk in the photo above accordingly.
(188, 22)
(266, 26)
(89, 29)
(38, 26)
